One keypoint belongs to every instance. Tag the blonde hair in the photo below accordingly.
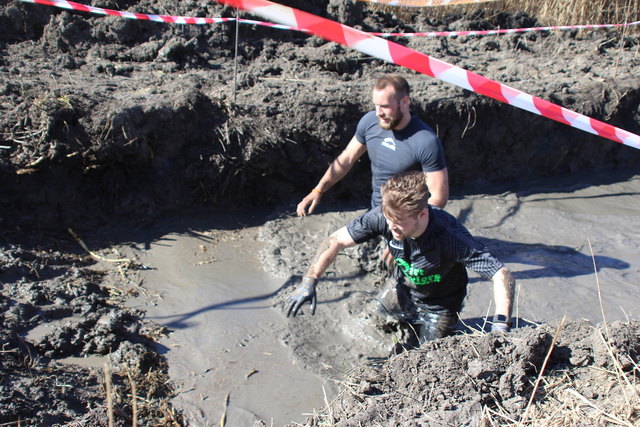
(406, 192)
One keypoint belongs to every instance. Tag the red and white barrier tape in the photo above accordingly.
(409, 58)
(425, 3)
(195, 20)
(290, 18)
(144, 16)
(169, 19)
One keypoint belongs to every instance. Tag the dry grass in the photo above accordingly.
(603, 398)
(547, 12)
(567, 12)
(591, 395)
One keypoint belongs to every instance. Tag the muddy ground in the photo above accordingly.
(106, 121)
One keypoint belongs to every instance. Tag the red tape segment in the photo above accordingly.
(289, 18)
(409, 58)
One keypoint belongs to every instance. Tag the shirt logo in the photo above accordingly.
(389, 143)
(417, 275)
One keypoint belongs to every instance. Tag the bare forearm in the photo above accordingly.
(342, 164)
(326, 254)
(503, 290)
(336, 171)
(328, 251)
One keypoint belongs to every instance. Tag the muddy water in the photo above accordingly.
(207, 287)
(574, 250)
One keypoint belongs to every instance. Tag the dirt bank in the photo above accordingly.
(105, 116)
(105, 120)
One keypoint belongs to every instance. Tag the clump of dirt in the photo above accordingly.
(108, 119)
(57, 304)
(490, 379)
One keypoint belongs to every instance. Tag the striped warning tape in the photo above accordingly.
(422, 63)
(290, 18)
(170, 19)
(425, 3)
(195, 20)
(144, 16)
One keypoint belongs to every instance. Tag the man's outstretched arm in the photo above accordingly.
(326, 254)
(336, 171)
(328, 251)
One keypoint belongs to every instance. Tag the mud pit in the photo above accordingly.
(117, 128)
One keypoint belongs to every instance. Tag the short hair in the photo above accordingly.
(400, 84)
(406, 192)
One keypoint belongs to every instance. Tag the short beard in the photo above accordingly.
(393, 123)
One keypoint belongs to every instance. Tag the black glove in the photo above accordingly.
(501, 324)
(305, 292)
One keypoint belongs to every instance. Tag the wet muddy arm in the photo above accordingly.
(503, 289)
(328, 251)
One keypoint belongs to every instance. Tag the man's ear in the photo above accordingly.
(424, 212)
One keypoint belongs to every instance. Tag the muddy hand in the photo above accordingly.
(310, 202)
(305, 292)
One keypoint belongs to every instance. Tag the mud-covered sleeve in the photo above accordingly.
(431, 152)
(363, 125)
(472, 253)
(367, 226)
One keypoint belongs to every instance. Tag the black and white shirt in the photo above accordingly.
(433, 264)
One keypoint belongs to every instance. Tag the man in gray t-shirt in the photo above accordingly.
(392, 151)
(396, 141)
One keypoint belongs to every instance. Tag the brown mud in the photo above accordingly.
(110, 122)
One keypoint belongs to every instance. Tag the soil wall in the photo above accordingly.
(105, 117)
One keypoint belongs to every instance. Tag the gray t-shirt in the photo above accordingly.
(416, 147)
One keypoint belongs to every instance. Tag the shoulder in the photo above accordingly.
(368, 119)
(422, 131)
(369, 224)
(445, 224)
(452, 232)
(366, 125)
(420, 125)
(426, 145)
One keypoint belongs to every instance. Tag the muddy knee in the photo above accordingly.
(433, 325)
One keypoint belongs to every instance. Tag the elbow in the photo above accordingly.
(439, 200)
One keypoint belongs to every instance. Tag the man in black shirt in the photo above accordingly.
(432, 251)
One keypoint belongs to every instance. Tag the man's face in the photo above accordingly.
(388, 107)
(403, 225)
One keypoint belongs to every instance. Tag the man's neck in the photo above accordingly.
(423, 226)
(404, 123)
